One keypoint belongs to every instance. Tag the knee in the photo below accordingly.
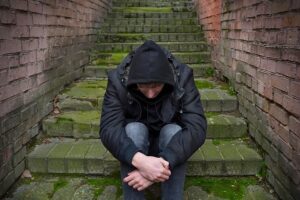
(138, 133)
(166, 134)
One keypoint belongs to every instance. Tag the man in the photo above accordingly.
(152, 121)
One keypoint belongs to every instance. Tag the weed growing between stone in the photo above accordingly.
(60, 183)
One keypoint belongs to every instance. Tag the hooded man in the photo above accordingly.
(152, 120)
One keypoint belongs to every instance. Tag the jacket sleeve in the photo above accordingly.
(184, 143)
(112, 126)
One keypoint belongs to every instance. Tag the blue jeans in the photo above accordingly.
(173, 187)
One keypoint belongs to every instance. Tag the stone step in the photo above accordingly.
(200, 70)
(188, 4)
(150, 29)
(85, 124)
(169, 15)
(88, 95)
(151, 1)
(81, 187)
(104, 58)
(158, 37)
(142, 9)
(176, 8)
(150, 21)
(171, 46)
(69, 156)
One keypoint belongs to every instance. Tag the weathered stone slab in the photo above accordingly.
(173, 47)
(256, 192)
(67, 192)
(159, 37)
(75, 158)
(37, 160)
(85, 124)
(94, 158)
(232, 160)
(226, 126)
(216, 100)
(110, 192)
(219, 158)
(85, 192)
(100, 58)
(56, 157)
(34, 190)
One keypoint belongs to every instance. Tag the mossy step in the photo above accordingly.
(88, 95)
(153, 3)
(158, 37)
(68, 156)
(142, 4)
(85, 124)
(170, 15)
(102, 58)
(81, 187)
(142, 9)
(97, 71)
(136, 1)
(200, 70)
(150, 29)
(171, 46)
(150, 21)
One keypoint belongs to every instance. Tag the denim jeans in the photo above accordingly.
(170, 189)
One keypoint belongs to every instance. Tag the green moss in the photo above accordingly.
(128, 37)
(60, 184)
(121, 38)
(145, 9)
(224, 141)
(230, 90)
(62, 119)
(100, 183)
(92, 84)
(216, 142)
(80, 116)
(209, 72)
(204, 84)
(109, 58)
(210, 114)
(87, 89)
(263, 172)
(228, 188)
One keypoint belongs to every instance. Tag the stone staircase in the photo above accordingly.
(72, 144)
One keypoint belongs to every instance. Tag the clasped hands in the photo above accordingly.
(149, 169)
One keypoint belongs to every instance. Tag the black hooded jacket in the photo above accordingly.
(179, 102)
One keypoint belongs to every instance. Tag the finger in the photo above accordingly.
(128, 178)
(162, 179)
(165, 163)
(133, 182)
(141, 188)
(166, 172)
(137, 185)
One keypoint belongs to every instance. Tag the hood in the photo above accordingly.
(150, 64)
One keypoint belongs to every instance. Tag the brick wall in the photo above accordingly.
(258, 50)
(43, 46)
(210, 16)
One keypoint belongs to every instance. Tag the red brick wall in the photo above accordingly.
(258, 49)
(43, 46)
(209, 16)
